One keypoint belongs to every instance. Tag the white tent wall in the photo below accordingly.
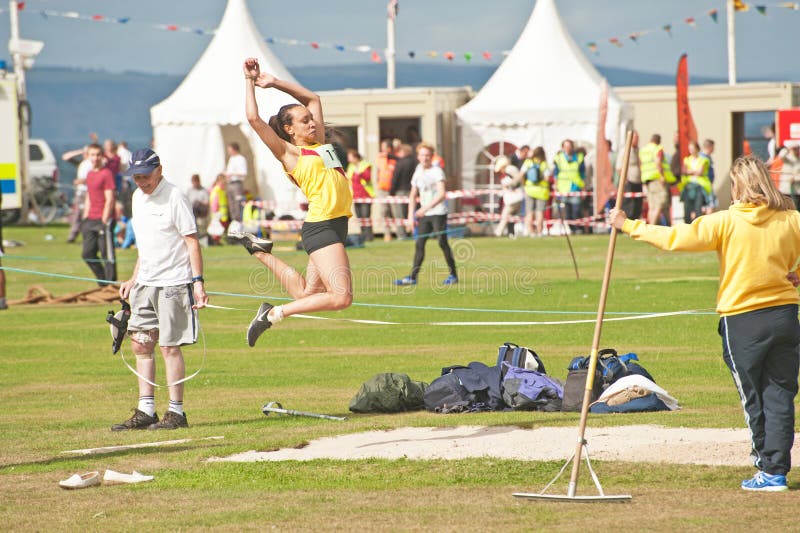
(174, 144)
(193, 125)
(545, 91)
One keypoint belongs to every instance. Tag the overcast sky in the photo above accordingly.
(442, 25)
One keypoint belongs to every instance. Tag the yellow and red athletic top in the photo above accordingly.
(320, 176)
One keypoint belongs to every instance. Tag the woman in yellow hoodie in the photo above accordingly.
(757, 241)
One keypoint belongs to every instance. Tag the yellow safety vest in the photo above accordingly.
(250, 213)
(569, 176)
(695, 162)
(358, 169)
(219, 194)
(541, 188)
(647, 160)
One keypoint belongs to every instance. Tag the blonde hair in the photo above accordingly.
(753, 185)
(426, 146)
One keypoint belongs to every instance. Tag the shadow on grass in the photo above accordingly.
(59, 459)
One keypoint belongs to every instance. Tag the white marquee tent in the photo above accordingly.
(545, 91)
(193, 125)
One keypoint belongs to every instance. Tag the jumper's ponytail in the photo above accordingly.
(281, 119)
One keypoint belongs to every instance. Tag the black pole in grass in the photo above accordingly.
(569, 241)
(581, 443)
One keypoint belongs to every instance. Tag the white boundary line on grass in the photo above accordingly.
(482, 323)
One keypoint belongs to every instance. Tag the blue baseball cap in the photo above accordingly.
(142, 161)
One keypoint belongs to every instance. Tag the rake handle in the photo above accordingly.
(598, 327)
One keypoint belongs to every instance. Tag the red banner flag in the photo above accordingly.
(686, 129)
(604, 185)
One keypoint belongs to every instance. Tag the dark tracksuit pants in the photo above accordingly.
(99, 237)
(432, 226)
(761, 350)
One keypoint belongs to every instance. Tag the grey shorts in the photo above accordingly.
(534, 205)
(167, 309)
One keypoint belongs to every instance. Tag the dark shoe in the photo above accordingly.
(171, 420)
(139, 420)
(251, 243)
(259, 325)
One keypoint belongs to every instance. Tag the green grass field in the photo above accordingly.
(61, 389)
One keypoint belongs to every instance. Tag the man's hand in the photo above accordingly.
(125, 289)
(200, 296)
(419, 213)
(794, 278)
(617, 217)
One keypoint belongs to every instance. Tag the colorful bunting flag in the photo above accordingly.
(412, 54)
(634, 37)
(790, 5)
(615, 41)
(449, 56)
(762, 9)
(592, 47)
(468, 56)
(487, 56)
(376, 57)
(714, 14)
(691, 22)
(432, 53)
(668, 28)
(314, 45)
(20, 6)
(738, 5)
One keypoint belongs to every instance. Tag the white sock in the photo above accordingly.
(147, 405)
(275, 314)
(176, 407)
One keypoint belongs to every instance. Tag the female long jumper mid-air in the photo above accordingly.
(296, 136)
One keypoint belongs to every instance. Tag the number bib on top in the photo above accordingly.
(328, 155)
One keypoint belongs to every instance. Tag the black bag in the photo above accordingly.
(520, 357)
(575, 388)
(445, 391)
(476, 384)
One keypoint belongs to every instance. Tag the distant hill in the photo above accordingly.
(67, 104)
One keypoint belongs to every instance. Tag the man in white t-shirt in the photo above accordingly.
(236, 171)
(428, 184)
(165, 290)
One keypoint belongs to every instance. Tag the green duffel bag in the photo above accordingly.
(389, 393)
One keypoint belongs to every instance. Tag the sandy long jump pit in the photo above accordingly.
(641, 443)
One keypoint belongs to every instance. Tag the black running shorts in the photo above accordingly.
(318, 235)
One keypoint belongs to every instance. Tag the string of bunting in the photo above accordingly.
(713, 14)
(376, 54)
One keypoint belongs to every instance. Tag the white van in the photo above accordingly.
(42, 184)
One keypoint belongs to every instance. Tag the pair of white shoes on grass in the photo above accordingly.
(92, 479)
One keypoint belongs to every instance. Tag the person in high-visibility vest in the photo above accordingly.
(570, 175)
(218, 201)
(695, 185)
(359, 172)
(537, 191)
(706, 151)
(656, 177)
(384, 167)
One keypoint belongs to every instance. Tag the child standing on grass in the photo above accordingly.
(757, 241)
